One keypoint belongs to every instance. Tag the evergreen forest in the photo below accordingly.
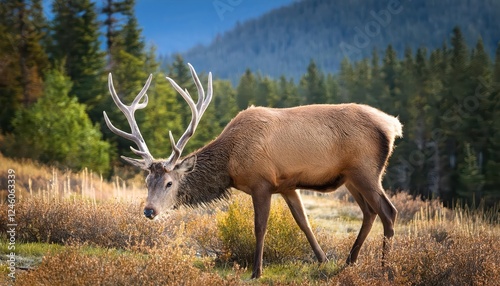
(53, 91)
(286, 38)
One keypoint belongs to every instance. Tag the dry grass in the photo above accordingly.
(436, 254)
(106, 224)
(159, 266)
(52, 183)
(433, 245)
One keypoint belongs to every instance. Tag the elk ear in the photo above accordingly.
(187, 165)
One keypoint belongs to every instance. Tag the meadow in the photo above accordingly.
(79, 229)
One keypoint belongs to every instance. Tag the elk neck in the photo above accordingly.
(209, 181)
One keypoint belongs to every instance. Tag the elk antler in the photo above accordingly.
(135, 134)
(197, 111)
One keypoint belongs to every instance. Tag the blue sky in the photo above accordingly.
(176, 25)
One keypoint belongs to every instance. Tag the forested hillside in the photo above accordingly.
(284, 40)
(53, 91)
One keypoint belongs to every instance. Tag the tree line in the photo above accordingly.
(53, 90)
(284, 39)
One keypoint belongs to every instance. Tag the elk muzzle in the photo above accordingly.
(150, 213)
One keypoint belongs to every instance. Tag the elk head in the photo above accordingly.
(165, 175)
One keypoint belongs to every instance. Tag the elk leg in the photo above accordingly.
(387, 213)
(261, 205)
(295, 205)
(375, 197)
(369, 216)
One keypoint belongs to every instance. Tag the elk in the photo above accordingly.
(265, 151)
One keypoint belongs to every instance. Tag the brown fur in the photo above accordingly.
(264, 151)
(211, 172)
(309, 146)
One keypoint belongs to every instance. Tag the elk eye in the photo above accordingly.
(169, 184)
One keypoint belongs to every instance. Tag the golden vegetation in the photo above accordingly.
(51, 183)
(159, 266)
(106, 241)
(284, 239)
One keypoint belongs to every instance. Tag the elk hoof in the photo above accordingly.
(256, 274)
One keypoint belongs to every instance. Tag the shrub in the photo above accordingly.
(106, 224)
(284, 239)
(201, 231)
(159, 266)
(408, 206)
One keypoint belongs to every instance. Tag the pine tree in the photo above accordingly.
(287, 93)
(75, 45)
(114, 12)
(266, 93)
(471, 178)
(180, 72)
(10, 87)
(313, 85)
(67, 139)
(459, 54)
(492, 192)
(361, 85)
(444, 119)
(224, 102)
(246, 90)
(332, 89)
(23, 58)
(476, 105)
(452, 121)
(433, 88)
(457, 83)
(346, 81)
(408, 80)
(390, 100)
(409, 83)
(132, 39)
(377, 87)
(412, 100)
(476, 111)
(421, 90)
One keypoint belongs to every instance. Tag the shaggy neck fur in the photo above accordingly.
(209, 181)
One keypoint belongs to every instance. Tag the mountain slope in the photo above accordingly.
(284, 40)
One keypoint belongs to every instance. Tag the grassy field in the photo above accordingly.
(78, 229)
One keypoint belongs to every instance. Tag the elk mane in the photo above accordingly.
(211, 169)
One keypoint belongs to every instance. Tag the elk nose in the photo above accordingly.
(149, 213)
